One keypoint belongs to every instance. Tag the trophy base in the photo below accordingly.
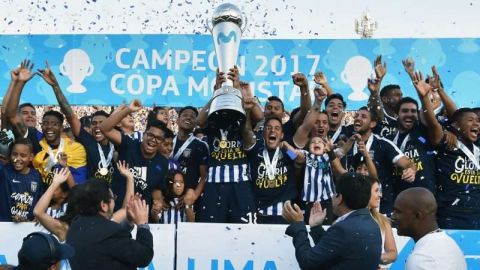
(226, 111)
(226, 119)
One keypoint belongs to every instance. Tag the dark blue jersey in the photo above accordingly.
(385, 154)
(458, 178)
(190, 157)
(417, 147)
(94, 164)
(387, 127)
(148, 173)
(19, 193)
(275, 187)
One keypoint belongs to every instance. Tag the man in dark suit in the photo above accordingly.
(352, 242)
(103, 244)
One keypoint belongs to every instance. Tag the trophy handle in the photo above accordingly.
(209, 25)
(244, 24)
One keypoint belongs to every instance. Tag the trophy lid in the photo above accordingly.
(227, 13)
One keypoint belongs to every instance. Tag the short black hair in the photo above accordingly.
(100, 113)
(405, 100)
(387, 89)
(26, 104)
(199, 130)
(86, 121)
(335, 96)
(373, 113)
(188, 108)
(273, 117)
(56, 114)
(94, 192)
(157, 124)
(458, 114)
(355, 189)
(294, 112)
(275, 98)
(167, 133)
(24, 141)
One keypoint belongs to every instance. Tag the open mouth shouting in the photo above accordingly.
(97, 134)
(357, 125)
(474, 133)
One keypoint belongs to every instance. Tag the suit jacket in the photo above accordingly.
(103, 244)
(353, 243)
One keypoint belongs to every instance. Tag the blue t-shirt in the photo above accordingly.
(148, 173)
(385, 154)
(387, 127)
(192, 157)
(93, 156)
(19, 193)
(269, 192)
(458, 179)
(417, 147)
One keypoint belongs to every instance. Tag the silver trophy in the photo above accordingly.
(226, 109)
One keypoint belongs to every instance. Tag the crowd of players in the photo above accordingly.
(192, 169)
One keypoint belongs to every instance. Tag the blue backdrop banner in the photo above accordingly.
(179, 70)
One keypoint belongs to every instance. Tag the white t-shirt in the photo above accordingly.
(436, 251)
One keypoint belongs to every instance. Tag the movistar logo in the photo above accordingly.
(222, 38)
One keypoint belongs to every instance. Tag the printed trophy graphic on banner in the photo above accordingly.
(356, 73)
(76, 66)
(226, 108)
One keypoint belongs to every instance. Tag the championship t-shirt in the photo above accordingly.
(458, 178)
(417, 147)
(147, 173)
(387, 127)
(190, 157)
(19, 193)
(276, 187)
(93, 157)
(385, 154)
(228, 161)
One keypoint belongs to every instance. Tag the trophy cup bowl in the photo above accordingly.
(226, 110)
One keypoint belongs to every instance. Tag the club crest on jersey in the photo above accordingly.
(33, 186)
(186, 153)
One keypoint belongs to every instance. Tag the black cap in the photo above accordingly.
(44, 249)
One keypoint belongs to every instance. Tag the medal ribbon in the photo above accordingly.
(472, 156)
(105, 162)
(53, 157)
(368, 145)
(404, 143)
(271, 166)
(182, 148)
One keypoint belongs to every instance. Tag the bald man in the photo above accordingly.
(414, 215)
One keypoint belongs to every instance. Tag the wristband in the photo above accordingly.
(291, 154)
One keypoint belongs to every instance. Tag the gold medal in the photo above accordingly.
(223, 144)
(271, 183)
(103, 171)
